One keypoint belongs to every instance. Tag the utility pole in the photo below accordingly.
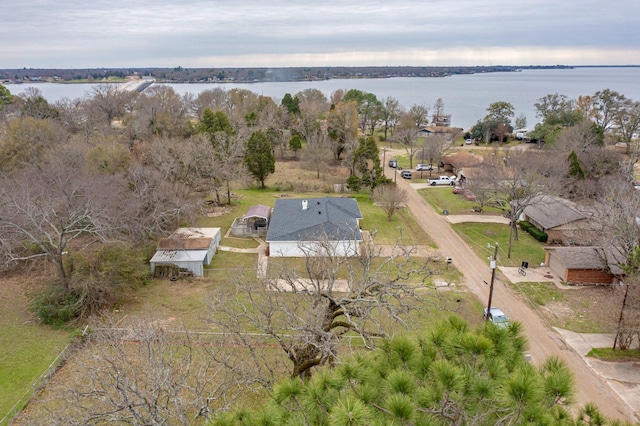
(492, 265)
(384, 158)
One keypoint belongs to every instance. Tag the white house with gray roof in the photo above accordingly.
(299, 225)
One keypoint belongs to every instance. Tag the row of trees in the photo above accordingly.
(611, 114)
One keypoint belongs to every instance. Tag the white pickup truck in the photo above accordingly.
(443, 180)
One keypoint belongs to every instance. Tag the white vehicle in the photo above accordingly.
(443, 180)
(521, 133)
(497, 317)
(425, 167)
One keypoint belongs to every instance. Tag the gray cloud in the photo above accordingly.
(44, 33)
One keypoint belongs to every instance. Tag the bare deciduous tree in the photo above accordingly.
(151, 205)
(307, 312)
(406, 135)
(318, 149)
(106, 102)
(519, 181)
(616, 224)
(391, 112)
(390, 198)
(627, 122)
(419, 115)
(435, 148)
(144, 373)
(45, 208)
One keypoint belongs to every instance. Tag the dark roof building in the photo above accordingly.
(548, 212)
(295, 221)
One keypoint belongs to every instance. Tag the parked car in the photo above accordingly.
(497, 317)
(468, 141)
(406, 174)
(424, 167)
(393, 164)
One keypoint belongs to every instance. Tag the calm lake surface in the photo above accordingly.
(465, 97)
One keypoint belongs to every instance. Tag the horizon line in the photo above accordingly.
(340, 66)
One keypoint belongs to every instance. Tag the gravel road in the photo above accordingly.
(544, 342)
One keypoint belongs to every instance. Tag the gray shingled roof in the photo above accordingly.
(588, 258)
(335, 218)
(551, 212)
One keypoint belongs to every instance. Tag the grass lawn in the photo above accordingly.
(478, 235)
(442, 198)
(608, 354)
(387, 232)
(27, 348)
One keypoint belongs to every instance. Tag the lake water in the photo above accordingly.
(465, 97)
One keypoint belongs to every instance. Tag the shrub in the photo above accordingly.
(525, 225)
(533, 231)
(354, 183)
(56, 306)
(96, 280)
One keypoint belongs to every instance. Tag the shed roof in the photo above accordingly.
(551, 212)
(259, 211)
(184, 243)
(195, 233)
(333, 218)
(179, 256)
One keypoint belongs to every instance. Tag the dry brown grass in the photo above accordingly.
(301, 176)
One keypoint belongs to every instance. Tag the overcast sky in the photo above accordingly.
(280, 33)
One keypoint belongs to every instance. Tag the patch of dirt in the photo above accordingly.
(585, 310)
(298, 176)
(218, 211)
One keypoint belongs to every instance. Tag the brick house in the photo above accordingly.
(563, 221)
(583, 265)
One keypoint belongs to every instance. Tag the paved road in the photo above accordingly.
(544, 341)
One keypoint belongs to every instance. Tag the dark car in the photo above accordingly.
(406, 174)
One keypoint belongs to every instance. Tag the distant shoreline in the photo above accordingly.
(246, 75)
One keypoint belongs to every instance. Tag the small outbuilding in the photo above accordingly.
(254, 223)
(188, 249)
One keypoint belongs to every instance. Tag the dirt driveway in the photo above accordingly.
(544, 341)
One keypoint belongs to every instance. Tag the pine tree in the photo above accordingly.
(258, 158)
